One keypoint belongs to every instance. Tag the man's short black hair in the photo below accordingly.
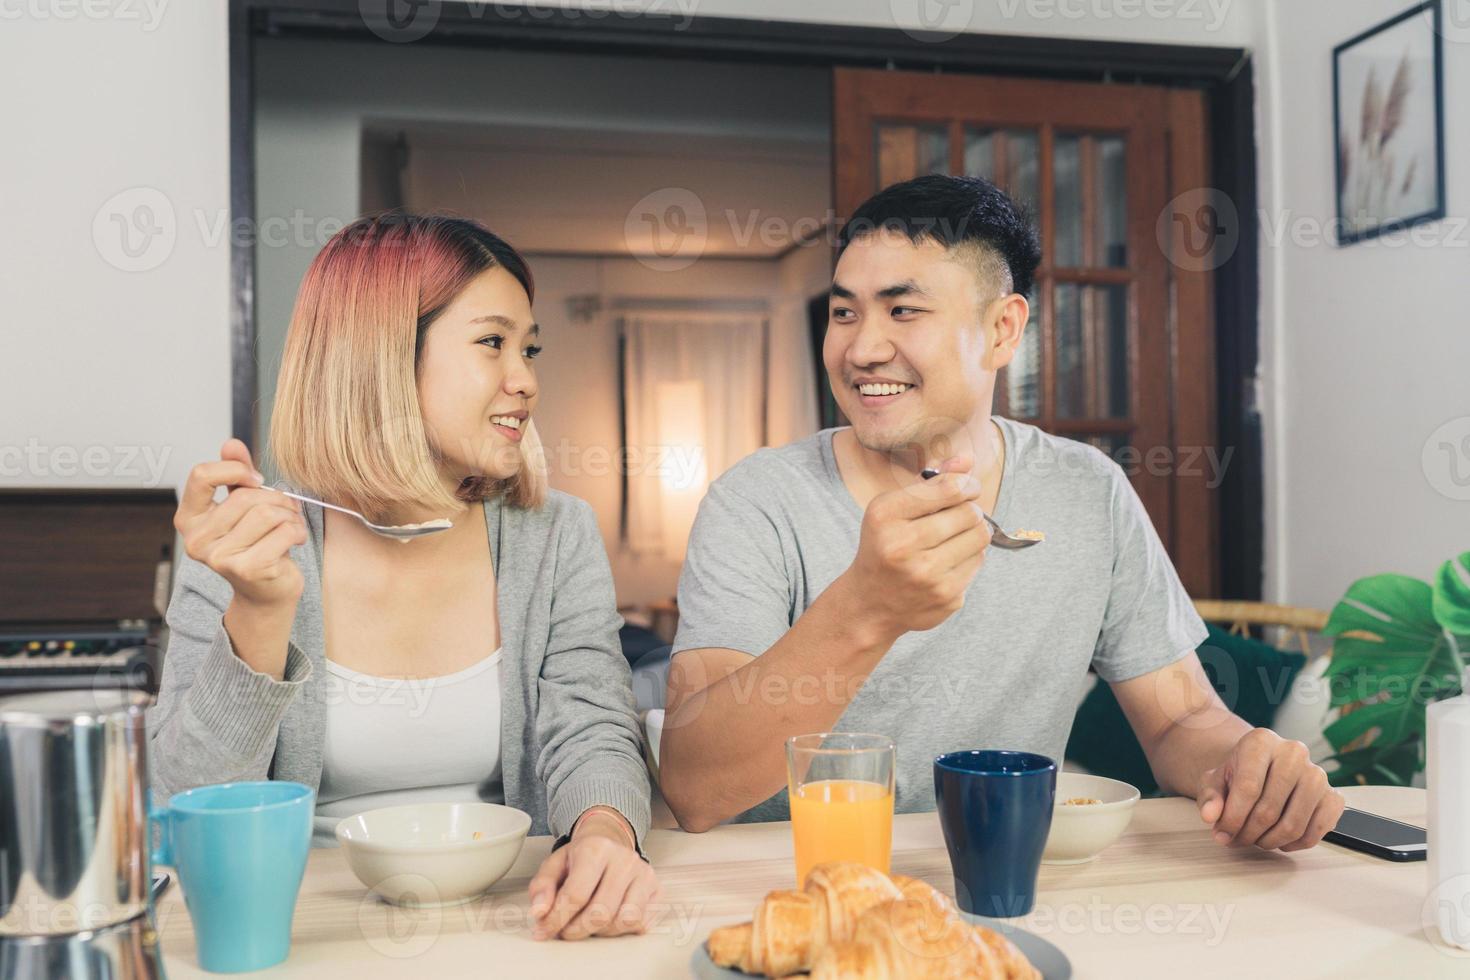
(954, 211)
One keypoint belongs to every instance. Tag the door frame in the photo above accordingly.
(1224, 75)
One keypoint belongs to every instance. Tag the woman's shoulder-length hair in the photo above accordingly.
(346, 422)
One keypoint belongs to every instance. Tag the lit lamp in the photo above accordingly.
(683, 475)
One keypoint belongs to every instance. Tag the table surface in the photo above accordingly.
(1164, 901)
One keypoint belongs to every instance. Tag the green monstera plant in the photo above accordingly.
(1399, 645)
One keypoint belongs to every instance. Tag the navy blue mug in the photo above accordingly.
(995, 809)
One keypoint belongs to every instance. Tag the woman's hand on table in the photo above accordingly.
(1270, 794)
(596, 885)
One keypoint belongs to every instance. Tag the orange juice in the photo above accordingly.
(841, 820)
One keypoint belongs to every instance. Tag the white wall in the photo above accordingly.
(112, 376)
(1364, 348)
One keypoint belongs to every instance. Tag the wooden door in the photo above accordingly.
(1119, 352)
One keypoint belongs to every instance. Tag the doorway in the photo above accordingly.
(1221, 543)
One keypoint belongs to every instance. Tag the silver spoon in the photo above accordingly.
(998, 537)
(404, 532)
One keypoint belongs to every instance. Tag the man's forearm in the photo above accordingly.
(723, 748)
(1196, 743)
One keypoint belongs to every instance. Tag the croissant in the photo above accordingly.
(791, 928)
(846, 925)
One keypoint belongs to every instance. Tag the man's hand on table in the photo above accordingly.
(1270, 794)
(596, 885)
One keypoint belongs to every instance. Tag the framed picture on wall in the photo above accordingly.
(1388, 103)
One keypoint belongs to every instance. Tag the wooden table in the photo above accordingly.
(1165, 901)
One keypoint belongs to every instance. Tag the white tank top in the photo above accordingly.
(391, 741)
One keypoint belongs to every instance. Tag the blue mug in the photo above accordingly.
(995, 808)
(240, 852)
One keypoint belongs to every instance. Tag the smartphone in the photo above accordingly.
(1379, 836)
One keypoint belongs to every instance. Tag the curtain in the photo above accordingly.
(694, 405)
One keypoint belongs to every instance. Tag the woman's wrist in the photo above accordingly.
(260, 634)
(605, 821)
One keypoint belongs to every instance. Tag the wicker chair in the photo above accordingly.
(1299, 621)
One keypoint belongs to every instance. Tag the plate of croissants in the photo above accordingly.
(854, 922)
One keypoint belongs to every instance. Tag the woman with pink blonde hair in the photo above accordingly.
(478, 663)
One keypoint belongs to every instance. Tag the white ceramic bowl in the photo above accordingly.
(429, 854)
(1081, 833)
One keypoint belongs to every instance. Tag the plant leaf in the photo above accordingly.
(1398, 97)
(1400, 762)
(1451, 602)
(1371, 111)
(1385, 605)
(1356, 653)
(1394, 717)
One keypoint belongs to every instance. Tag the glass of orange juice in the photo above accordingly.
(841, 787)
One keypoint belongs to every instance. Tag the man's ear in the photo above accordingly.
(1007, 322)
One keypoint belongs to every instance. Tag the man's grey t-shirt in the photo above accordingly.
(1004, 672)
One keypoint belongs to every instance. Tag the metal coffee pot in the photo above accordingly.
(74, 873)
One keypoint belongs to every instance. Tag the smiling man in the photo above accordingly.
(829, 586)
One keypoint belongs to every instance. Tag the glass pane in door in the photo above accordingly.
(1023, 375)
(1009, 158)
(906, 152)
(1091, 185)
(1092, 351)
(1112, 203)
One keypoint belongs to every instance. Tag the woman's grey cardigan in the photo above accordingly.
(569, 732)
